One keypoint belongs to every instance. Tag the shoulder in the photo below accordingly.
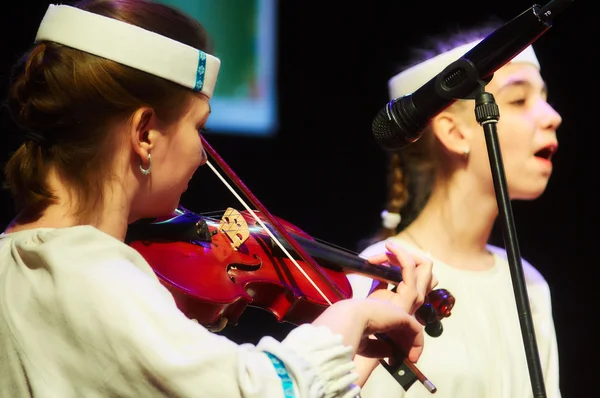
(539, 295)
(97, 259)
(532, 275)
(78, 264)
(537, 286)
(82, 276)
(375, 248)
(104, 282)
(88, 242)
(80, 249)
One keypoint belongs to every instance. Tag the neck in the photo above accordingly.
(455, 226)
(111, 216)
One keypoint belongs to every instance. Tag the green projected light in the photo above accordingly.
(244, 34)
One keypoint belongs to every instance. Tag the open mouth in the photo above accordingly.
(546, 152)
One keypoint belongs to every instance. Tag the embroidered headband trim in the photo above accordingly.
(408, 81)
(130, 45)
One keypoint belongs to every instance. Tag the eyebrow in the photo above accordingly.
(206, 115)
(520, 82)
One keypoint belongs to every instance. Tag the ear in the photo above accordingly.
(452, 132)
(143, 131)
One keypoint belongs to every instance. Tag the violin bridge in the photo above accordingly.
(235, 227)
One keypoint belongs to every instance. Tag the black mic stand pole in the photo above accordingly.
(487, 114)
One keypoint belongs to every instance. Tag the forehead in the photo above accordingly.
(198, 107)
(516, 73)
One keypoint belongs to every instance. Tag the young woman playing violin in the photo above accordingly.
(111, 98)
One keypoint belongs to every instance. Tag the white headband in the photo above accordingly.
(130, 45)
(411, 79)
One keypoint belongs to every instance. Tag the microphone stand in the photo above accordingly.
(487, 114)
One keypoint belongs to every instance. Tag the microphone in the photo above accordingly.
(402, 121)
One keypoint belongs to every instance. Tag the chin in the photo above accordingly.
(160, 208)
(531, 192)
(167, 210)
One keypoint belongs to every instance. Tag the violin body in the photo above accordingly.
(216, 268)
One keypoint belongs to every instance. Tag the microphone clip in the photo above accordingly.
(460, 80)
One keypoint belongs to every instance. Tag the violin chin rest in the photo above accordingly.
(187, 227)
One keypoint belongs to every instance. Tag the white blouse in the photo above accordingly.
(480, 353)
(83, 315)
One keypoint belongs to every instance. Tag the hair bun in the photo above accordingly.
(28, 88)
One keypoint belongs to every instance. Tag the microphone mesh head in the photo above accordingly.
(382, 129)
(392, 127)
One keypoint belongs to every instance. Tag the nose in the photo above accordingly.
(204, 158)
(551, 119)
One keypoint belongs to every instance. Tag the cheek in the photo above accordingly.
(182, 158)
(515, 135)
(513, 140)
(196, 151)
(189, 148)
(189, 158)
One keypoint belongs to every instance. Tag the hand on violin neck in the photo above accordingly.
(417, 277)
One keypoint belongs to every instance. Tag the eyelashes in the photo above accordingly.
(519, 102)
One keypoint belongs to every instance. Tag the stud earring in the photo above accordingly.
(143, 170)
(466, 153)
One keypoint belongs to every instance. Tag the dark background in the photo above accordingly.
(323, 171)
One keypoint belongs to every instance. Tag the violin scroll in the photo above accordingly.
(438, 305)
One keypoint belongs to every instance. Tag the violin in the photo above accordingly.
(217, 267)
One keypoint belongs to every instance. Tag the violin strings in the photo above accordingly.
(337, 247)
(258, 220)
(211, 215)
(215, 214)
